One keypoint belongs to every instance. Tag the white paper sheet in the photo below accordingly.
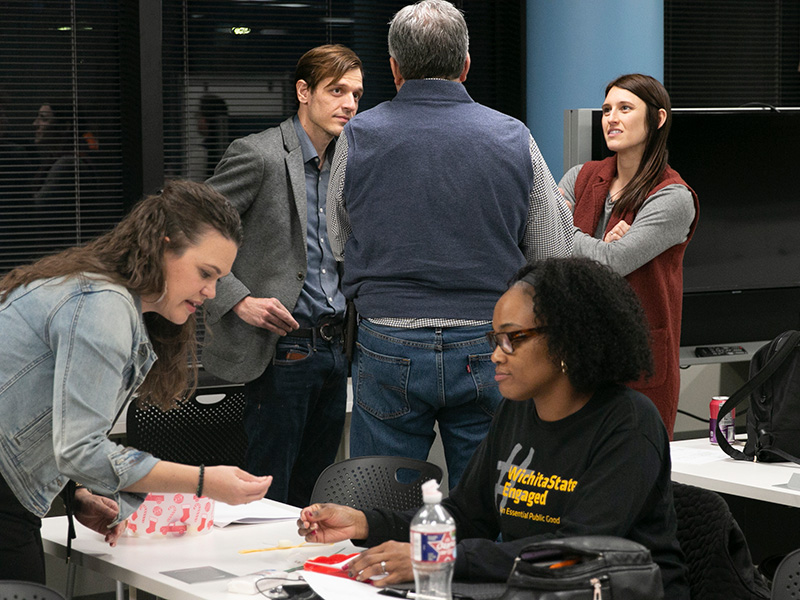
(331, 587)
(254, 512)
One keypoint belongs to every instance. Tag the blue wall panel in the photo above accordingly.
(575, 47)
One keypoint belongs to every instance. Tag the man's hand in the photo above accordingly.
(97, 513)
(267, 313)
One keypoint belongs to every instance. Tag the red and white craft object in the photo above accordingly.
(170, 515)
(336, 564)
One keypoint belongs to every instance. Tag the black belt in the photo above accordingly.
(326, 331)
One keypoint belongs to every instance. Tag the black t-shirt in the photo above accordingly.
(604, 470)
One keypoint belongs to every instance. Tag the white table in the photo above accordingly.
(139, 561)
(698, 462)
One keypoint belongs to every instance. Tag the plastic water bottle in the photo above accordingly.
(433, 546)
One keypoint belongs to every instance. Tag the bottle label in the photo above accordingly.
(433, 547)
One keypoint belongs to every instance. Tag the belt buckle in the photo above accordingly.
(325, 336)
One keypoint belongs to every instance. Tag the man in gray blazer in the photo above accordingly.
(276, 322)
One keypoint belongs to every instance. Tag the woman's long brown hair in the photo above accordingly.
(654, 158)
(132, 255)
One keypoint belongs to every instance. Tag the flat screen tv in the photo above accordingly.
(742, 267)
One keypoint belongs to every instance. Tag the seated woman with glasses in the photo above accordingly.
(571, 450)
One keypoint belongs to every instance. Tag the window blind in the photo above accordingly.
(229, 65)
(231, 59)
(732, 52)
(60, 138)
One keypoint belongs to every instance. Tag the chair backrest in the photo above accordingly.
(717, 556)
(393, 482)
(205, 429)
(786, 583)
(27, 590)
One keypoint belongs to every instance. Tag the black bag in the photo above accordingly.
(350, 332)
(586, 567)
(773, 421)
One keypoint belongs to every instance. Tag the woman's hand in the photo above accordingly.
(393, 558)
(564, 197)
(325, 523)
(617, 232)
(97, 513)
(227, 484)
(232, 485)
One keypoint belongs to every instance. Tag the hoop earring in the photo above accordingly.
(563, 367)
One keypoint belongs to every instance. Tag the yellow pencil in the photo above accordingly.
(281, 548)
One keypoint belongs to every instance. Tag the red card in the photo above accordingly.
(335, 564)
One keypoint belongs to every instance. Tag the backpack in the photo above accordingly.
(773, 421)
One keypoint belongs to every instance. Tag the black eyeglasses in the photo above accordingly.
(506, 339)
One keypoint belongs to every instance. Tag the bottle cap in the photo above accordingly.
(430, 492)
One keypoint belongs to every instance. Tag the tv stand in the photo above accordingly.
(704, 378)
(688, 357)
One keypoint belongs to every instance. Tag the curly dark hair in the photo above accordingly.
(595, 322)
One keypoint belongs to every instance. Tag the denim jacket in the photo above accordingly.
(72, 352)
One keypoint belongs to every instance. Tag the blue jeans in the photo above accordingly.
(294, 416)
(404, 380)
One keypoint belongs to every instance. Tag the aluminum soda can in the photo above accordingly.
(728, 421)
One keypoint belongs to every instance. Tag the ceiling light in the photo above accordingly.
(338, 20)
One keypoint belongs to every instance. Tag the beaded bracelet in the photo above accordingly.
(200, 481)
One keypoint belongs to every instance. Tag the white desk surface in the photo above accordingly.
(138, 561)
(698, 462)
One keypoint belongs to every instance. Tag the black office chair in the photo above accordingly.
(27, 590)
(716, 552)
(206, 429)
(372, 482)
(786, 583)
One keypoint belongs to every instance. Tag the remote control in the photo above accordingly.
(707, 351)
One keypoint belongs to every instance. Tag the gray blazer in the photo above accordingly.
(263, 176)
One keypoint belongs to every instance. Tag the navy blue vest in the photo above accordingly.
(436, 189)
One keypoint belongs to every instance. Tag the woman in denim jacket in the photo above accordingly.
(81, 332)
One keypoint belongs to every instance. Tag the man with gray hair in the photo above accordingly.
(434, 202)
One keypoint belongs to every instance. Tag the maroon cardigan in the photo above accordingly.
(658, 283)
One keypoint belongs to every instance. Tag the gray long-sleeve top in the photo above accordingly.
(662, 222)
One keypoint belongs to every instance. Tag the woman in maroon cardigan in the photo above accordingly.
(634, 213)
